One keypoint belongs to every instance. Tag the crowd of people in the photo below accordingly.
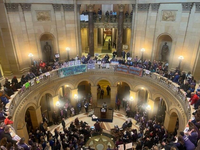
(151, 133)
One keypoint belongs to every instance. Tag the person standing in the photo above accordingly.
(118, 104)
(86, 105)
(102, 93)
(63, 123)
(108, 90)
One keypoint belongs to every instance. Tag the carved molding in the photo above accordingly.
(187, 6)
(68, 7)
(57, 7)
(197, 7)
(90, 7)
(143, 7)
(43, 16)
(168, 15)
(155, 7)
(26, 7)
(121, 7)
(12, 6)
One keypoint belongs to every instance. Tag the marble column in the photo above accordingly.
(113, 96)
(22, 132)
(170, 122)
(133, 100)
(36, 117)
(91, 29)
(120, 30)
(94, 95)
(74, 100)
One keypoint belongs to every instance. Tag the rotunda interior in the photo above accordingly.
(103, 74)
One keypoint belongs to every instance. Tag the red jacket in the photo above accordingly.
(8, 121)
(193, 99)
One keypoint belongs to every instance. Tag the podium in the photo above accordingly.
(103, 112)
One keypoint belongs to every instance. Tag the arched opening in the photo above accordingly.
(31, 119)
(48, 47)
(84, 90)
(174, 123)
(159, 109)
(103, 92)
(163, 50)
(47, 106)
(142, 98)
(123, 93)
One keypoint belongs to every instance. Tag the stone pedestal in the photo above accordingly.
(120, 30)
(22, 132)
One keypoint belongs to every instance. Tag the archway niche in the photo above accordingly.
(47, 106)
(84, 90)
(102, 87)
(123, 92)
(163, 50)
(48, 47)
(31, 119)
(174, 123)
(159, 109)
(64, 92)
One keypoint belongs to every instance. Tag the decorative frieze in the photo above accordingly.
(57, 7)
(68, 7)
(12, 6)
(90, 7)
(43, 16)
(197, 7)
(187, 6)
(155, 6)
(26, 7)
(121, 7)
(168, 15)
(143, 7)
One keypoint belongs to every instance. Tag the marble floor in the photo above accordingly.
(99, 142)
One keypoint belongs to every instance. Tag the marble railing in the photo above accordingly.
(155, 78)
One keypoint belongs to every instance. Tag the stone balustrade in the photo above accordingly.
(152, 77)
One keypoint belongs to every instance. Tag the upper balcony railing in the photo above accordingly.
(45, 78)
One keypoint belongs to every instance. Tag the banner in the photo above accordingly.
(135, 71)
(91, 66)
(122, 68)
(64, 72)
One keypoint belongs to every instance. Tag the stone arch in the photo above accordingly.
(78, 82)
(71, 86)
(99, 79)
(139, 87)
(115, 84)
(47, 38)
(158, 95)
(182, 121)
(160, 41)
(51, 92)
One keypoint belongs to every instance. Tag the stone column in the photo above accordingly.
(91, 29)
(133, 100)
(74, 101)
(120, 30)
(170, 122)
(94, 95)
(150, 102)
(22, 132)
(95, 38)
(113, 96)
(36, 117)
